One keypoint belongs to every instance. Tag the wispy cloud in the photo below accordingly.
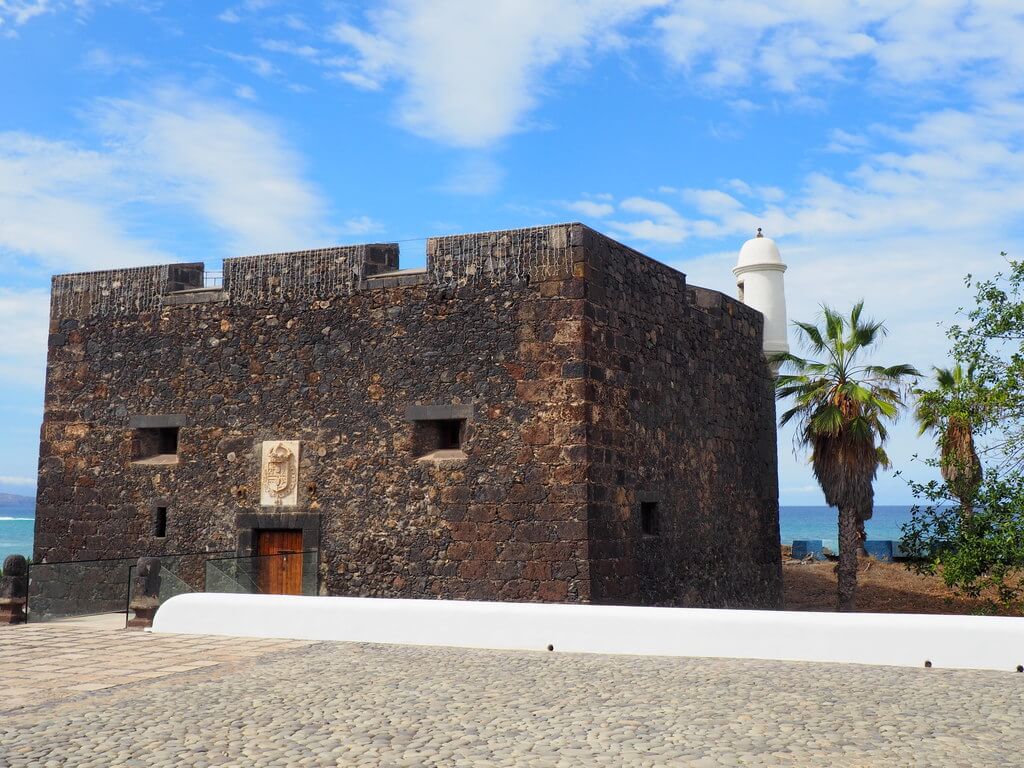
(591, 208)
(475, 175)
(258, 65)
(235, 13)
(16, 480)
(19, 12)
(307, 52)
(791, 46)
(233, 168)
(68, 207)
(24, 316)
(361, 225)
(110, 63)
(471, 73)
(660, 222)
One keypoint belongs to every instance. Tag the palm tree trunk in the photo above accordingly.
(966, 510)
(849, 539)
(862, 536)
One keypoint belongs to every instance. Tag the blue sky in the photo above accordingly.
(880, 142)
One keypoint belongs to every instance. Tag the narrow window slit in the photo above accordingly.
(649, 522)
(160, 523)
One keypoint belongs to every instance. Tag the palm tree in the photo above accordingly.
(950, 410)
(841, 404)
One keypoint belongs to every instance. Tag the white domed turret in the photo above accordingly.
(759, 281)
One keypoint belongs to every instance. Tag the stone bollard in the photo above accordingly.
(145, 592)
(13, 590)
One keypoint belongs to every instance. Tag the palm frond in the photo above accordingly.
(812, 337)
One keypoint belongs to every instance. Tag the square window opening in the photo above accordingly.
(449, 434)
(160, 523)
(649, 522)
(157, 445)
(439, 438)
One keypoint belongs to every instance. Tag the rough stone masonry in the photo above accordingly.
(539, 414)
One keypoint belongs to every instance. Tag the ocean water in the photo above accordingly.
(823, 523)
(17, 521)
(16, 524)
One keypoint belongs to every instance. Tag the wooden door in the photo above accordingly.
(280, 561)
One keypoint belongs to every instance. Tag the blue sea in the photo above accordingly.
(822, 523)
(16, 523)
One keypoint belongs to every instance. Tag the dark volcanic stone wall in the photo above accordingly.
(683, 415)
(337, 373)
(594, 379)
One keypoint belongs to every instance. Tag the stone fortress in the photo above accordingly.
(539, 414)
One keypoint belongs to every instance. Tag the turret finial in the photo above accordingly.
(759, 232)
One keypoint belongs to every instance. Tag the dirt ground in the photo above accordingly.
(881, 588)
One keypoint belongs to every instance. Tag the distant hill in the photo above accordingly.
(11, 499)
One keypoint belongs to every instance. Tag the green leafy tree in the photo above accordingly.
(975, 555)
(982, 550)
(991, 342)
(950, 410)
(840, 404)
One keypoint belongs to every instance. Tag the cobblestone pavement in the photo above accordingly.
(326, 704)
(40, 663)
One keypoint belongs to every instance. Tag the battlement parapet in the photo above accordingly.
(535, 253)
(310, 275)
(484, 258)
(118, 292)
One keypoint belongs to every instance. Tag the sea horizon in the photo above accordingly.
(17, 523)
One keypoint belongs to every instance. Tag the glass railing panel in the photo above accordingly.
(310, 572)
(287, 573)
(170, 585)
(82, 588)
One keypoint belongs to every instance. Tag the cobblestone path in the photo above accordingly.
(327, 704)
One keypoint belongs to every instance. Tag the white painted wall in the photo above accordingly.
(967, 642)
(760, 270)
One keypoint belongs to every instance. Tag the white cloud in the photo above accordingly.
(16, 480)
(255, 64)
(361, 225)
(651, 231)
(231, 167)
(108, 63)
(591, 208)
(953, 172)
(62, 205)
(899, 230)
(664, 225)
(712, 201)
(234, 14)
(283, 46)
(845, 143)
(19, 12)
(789, 45)
(69, 208)
(472, 72)
(25, 316)
(245, 92)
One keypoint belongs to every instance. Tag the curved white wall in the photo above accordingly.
(968, 642)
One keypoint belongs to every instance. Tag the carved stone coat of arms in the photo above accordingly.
(279, 478)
